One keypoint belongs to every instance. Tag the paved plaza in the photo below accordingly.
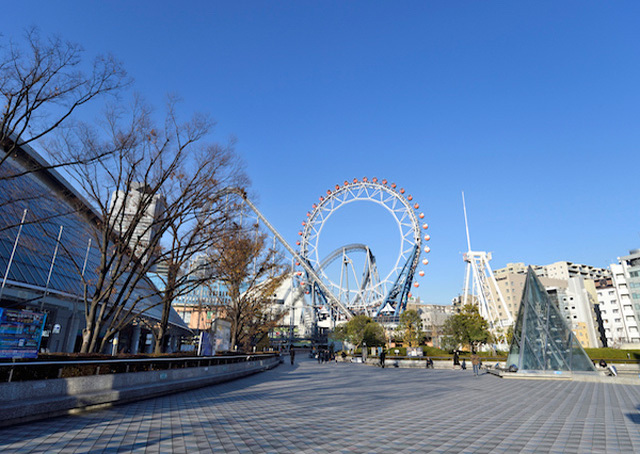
(353, 408)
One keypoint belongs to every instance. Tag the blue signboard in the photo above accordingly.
(20, 333)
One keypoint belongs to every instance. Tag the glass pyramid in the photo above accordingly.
(542, 341)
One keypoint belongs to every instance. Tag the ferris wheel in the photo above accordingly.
(382, 294)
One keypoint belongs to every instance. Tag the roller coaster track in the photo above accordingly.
(311, 274)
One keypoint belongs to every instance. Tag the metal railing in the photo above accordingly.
(43, 370)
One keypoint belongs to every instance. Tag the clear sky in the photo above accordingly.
(531, 108)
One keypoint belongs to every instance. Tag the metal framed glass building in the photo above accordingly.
(47, 245)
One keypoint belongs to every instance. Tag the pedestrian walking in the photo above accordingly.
(475, 361)
(456, 358)
(292, 355)
(383, 355)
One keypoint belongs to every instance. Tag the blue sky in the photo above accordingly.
(531, 108)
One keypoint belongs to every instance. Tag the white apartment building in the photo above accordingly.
(558, 270)
(631, 266)
(566, 270)
(619, 319)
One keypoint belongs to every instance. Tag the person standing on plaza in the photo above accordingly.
(292, 355)
(383, 355)
(456, 359)
(475, 360)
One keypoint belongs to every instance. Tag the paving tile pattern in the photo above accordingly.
(353, 408)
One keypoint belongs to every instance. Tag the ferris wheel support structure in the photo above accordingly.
(481, 288)
(303, 262)
(399, 293)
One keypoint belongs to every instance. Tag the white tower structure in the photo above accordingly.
(481, 288)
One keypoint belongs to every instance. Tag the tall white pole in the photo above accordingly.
(466, 223)
(15, 245)
(86, 257)
(466, 226)
(292, 296)
(53, 262)
(466, 281)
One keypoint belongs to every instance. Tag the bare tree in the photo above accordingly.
(194, 228)
(42, 83)
(251, 272)
(150, 182)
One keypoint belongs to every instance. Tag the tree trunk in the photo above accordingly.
(159, 340)
(86, 338)
(90, 327)
(167, 299)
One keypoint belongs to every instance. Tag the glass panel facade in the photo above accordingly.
(541, 339)
(50, 205)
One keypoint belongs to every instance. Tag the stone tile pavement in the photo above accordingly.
(354, 408)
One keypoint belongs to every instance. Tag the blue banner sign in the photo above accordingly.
(20, 333)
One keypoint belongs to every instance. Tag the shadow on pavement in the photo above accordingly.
(634, 417)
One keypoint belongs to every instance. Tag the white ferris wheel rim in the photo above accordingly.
(363, 191)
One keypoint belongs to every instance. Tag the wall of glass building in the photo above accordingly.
(47, 246)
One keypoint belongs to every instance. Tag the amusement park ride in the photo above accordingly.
(357, 291)
(481, 288)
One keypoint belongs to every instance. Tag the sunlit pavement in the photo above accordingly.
(353, 408)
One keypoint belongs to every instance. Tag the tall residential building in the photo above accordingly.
(134, 206)
(558, 270)
(619, 300)
(631, 266)
(566, 270)
(619, 322)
